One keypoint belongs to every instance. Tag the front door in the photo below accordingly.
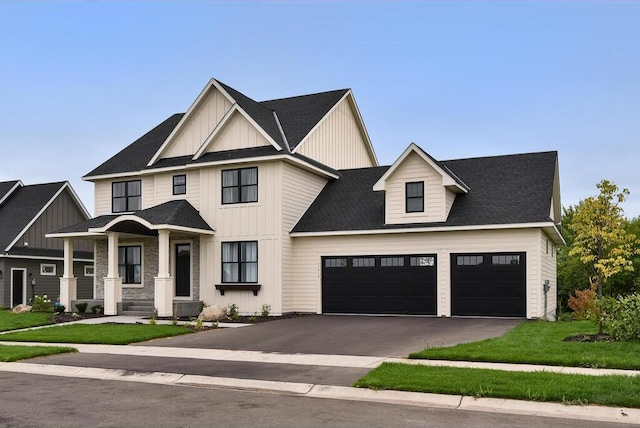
(183, 270)
(18, 286)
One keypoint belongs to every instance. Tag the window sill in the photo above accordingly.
(238, 287)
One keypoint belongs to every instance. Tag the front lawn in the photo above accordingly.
(540, 342)
(618, 391)
(11, 321)
(9, 353)
(107, 334)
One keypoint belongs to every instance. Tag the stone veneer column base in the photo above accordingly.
(68, 291)
(163, 296)
(112, 295)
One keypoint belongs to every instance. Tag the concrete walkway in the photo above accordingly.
(596, 413)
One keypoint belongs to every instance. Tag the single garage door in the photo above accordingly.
(404, 284)
(488, 284)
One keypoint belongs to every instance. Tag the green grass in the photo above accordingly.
(11, 321)
(108, 334)
(541, 343)
(9, 353)
(618, 391)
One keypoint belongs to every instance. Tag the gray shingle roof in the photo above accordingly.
(504, 190)
(21, 207)
(173, 213)
(5, 187)
(297, 116)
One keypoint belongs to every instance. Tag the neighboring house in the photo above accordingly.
(30, 263)
(282, 203)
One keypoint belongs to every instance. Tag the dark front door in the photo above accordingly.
(17, 286)
(489, 284)
(394, 284)
(183, 270)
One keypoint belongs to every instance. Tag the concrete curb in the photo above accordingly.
(457, 402)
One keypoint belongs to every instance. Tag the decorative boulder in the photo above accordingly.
(213, 313)
(18, 309)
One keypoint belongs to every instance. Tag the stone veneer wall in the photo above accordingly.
(149, 267)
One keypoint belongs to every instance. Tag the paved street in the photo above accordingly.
(42, 401)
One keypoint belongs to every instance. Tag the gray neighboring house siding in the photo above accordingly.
(27, 214)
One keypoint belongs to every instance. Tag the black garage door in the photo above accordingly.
(488, 284)
(379, 284)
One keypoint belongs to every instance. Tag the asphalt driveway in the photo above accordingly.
(346, 335)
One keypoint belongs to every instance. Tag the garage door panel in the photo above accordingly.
(349, 287)
(488, 284)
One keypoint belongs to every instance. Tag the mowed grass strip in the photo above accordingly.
(11, 321)
(10, 353)
(106, 334)
(539, 342)
(618, 391)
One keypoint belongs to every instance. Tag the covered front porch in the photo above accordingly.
(151, 255)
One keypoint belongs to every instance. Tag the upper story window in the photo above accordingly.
(415, 197)
(240, 185)
(180, 184)
(126, 196)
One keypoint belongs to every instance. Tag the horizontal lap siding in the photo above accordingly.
(299, 190)
(309, 250)
(201, 123)
(158, 189)
(337, 141)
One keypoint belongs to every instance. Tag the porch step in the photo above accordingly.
(140, 308)
(137, 308)
(136, 313)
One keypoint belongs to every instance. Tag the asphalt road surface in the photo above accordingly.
(47, 401)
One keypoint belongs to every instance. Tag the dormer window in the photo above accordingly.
(126, 196)
(414, 197)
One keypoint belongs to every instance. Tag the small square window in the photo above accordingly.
(47, 269)
(88, 270)
(180, 184)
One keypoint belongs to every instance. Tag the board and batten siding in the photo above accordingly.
(549, 262)
(199, 125)
(238, 133)
(102, 197)
(337, 141)
(414, 169)
(158, 189)
(62, 212)
(308, 252)
(256, 221)
(299, 189)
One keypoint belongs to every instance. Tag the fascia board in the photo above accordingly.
(12, 256)
(78, 201)
(211, 84)
(79, 235)
(259, 129)
(15, 187)
(363, 128)
(216, 130)
(33, 220)
(320, 122)
(545, 225)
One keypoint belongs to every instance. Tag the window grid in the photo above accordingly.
(335, 263)
(422, 261)
(130, 264)
(240, 262)
(469, 260)
(126, 196)
(180, 184)
(364, 262)
(240, 185)
(414, 193)
(506, 259)
(391, 261)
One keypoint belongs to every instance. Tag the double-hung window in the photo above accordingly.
(240, 185)
(240, 261)
(126, 196)
(130, 264)
(180, 184)
(415, 197)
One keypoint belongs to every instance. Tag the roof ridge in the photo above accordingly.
(305, 95)
(502, 156)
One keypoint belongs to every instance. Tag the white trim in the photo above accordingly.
(145, 223)
(10, 191)
(44, 208)
(43, 266)
(431, 229)
(174, 253)
(254, 159)
(73, 235)
(447, 179)
(211, 83)
(92, 267)
(78, 201)
(284, 137)
(11, 256)
(216, 130)
(24, 285)
(360, 123)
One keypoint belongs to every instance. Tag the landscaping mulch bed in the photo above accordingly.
(589, 338)
(68, 317)
(254, 319)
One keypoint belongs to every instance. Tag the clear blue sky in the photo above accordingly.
(80, 80)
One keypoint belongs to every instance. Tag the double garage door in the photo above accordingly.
(482, 284)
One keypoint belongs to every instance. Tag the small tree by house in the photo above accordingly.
(601, 238)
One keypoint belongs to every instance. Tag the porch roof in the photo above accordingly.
(173, 215)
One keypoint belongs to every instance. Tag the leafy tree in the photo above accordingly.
(601, 239)
(572, 273)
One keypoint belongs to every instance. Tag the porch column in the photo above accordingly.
(163, 283)
(112, 282)
(68, 283)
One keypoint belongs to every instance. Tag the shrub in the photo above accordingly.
(41, 304)
(59, 309)
(583, 304)
(96, 309)
(82, 307)
(265, 311)
(233, 313)
(622, 317)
